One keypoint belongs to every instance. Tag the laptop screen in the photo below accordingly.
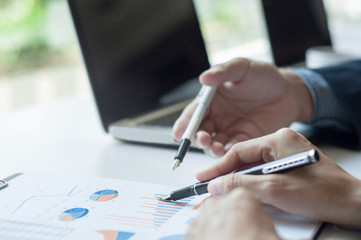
(137, 51)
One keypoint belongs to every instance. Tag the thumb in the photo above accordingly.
(231, 71)
(227, 183)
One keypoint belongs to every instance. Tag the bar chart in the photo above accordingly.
(152, 213)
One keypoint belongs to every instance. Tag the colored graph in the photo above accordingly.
(115, 235)
(42, 196)
(104, 195)
(12, 229)
(173, 237)
(73, 214)
(152, 213)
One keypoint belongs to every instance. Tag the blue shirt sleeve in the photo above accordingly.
(328, 111)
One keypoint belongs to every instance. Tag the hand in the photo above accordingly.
(236, 216)
(322, 191)
(252, 99)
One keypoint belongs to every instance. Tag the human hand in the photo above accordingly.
(321, 191)
(252, 99)
(238, 215)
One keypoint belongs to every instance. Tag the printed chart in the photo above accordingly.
(152, 213)
(86, 208)
(44, 206)
(104, 195)
(73, 214)
(11, 229)
(41, 195)
(115, 235)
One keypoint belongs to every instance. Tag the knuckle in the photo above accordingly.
(231, 182)
(293, 139)
(287, 133)
(273, 186)
(242, 60)
(234, 148)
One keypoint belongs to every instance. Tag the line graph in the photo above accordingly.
(43, 195)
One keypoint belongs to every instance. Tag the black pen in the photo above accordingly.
(277, 166)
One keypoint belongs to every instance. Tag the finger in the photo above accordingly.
(263, 187)
(203, 137)
(182, 122)
(283, 143)
(251, 151)
(221, 145)
(222, 185)
(246, 128)
(240, 137)
(203, 140)
(217, 145)
(211, 148)
(217, 149)
(232, 71)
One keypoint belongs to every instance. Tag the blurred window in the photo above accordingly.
(232, 28)
(40, 59)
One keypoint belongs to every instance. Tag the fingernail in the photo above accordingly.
(214, 186)
(228, 146)
(212, 154)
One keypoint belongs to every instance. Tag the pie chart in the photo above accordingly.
(73, 214)
(104, 195)
(115, 235)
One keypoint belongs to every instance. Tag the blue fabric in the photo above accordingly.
(345, 82)
(328, 110)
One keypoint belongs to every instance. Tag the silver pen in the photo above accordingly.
(205, 97)
(278, 166)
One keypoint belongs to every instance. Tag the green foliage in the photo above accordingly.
(224, 11)
(21, 14)
(22, 33)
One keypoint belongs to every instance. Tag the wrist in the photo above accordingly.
(351, 217)
(300, 95)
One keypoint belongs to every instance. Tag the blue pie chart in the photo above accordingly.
(73, 214)
(173, 237)
(104, 195)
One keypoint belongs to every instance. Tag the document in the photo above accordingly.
(44, 206)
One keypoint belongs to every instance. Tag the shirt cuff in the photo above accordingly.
(328, 111)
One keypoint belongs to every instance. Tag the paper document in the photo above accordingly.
(41, 206)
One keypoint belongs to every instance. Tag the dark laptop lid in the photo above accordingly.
(293, 27)
(137, 51)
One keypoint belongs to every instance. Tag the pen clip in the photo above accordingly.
(291, 162)
(284, 166)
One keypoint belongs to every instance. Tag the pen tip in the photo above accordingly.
(176, 164)
(166, 198)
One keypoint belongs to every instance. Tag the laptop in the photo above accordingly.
(143, 60)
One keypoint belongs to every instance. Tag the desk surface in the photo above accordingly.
(66, 137)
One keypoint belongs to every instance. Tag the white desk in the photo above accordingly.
(66, 137)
